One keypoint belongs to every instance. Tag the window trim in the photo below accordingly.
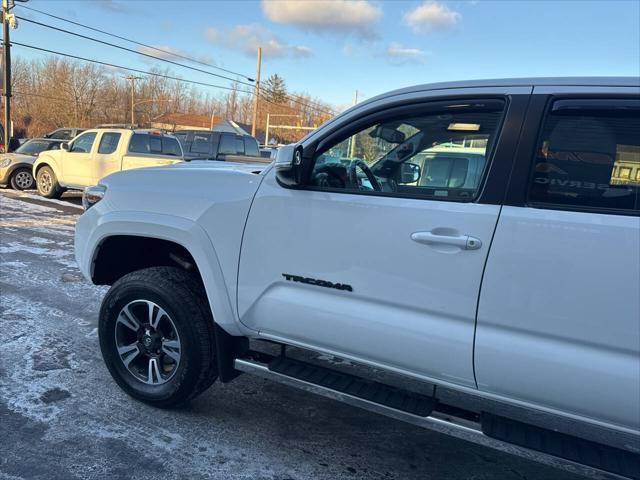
(93, 143)
(98, 152)
(574, 103)
(420, 107)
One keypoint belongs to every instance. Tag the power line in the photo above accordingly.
(185, 57)
(145, 72)
(86, 37)
(292, 97)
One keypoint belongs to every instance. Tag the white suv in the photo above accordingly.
(477, 243)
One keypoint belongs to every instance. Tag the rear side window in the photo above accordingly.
(155, 144)
(109, 142)
(228, 145)
(171, 146)
(589, 158)
(201, 143)
(251, 147)
(139, 143)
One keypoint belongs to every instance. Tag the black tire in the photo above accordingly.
(22, 179)
(184, 301)
(47, 183)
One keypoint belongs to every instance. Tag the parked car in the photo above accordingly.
(99, 152)
(469, 241)
(15, 168)
(210, 145)
(64, 133)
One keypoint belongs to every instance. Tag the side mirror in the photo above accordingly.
(288, 159)
(409, 173)
(284, 158)
(64, 146)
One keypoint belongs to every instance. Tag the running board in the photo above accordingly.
(408, 407)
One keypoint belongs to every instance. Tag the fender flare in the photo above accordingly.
(46, 161)
(179, 230)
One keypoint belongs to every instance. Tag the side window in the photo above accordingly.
(139, 143)
(63, 134)
(227, 144)
(155, 144)
(83, 143)
(588, 158)
(251, 147)
(109, 142)
(239, 146)
(201, 143)
(171, 146)
(441, 154)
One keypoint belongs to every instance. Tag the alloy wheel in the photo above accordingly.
(147, 341)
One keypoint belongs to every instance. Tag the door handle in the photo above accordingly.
(465, 242)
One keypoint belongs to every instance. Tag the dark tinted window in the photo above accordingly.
(201, 143)
(109, 142)
(83, 143)
(239, 146)
(171, 146)
(228, 145)
(34, 147)
(64, 134)
(155, 144)
(251, 147)
(139, 143)
(589, 159)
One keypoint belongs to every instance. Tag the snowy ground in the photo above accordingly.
(62, 417)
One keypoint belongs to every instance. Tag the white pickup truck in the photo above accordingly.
(96, 153)
(477, 244)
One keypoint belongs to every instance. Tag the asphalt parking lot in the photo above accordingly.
(62, 417)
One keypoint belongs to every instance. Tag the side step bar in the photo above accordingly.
(413, 408)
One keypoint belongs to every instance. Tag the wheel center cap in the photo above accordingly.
(147, 341)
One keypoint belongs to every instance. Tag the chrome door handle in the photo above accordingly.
(465, 242)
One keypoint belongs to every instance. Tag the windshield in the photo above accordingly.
(34, 147)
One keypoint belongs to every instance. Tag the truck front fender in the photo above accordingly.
(93, 229)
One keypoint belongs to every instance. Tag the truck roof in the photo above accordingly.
(532, 81)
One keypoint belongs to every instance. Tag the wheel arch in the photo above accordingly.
(123, 242)
(46, 162)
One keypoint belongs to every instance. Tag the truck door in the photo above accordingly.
(559, 313)
(370, 260)
(77, 165)
(107, 160)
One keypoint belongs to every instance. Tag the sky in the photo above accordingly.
(331, 48)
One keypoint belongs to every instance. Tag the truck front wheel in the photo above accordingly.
(157, 336)
(47, 183)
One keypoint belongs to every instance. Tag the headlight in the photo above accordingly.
(5, 162)
(93, 195)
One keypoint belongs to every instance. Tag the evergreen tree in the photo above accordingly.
(275, 89)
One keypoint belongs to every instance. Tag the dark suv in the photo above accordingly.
(210, 145)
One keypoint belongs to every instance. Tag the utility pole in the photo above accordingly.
(6, 73)
(133, 79)
(256, 95)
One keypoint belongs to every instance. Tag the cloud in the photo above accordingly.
(357, 17)
(247, 38)
(398, 54)
(172, 53)
(431, 16)
(112, 6)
